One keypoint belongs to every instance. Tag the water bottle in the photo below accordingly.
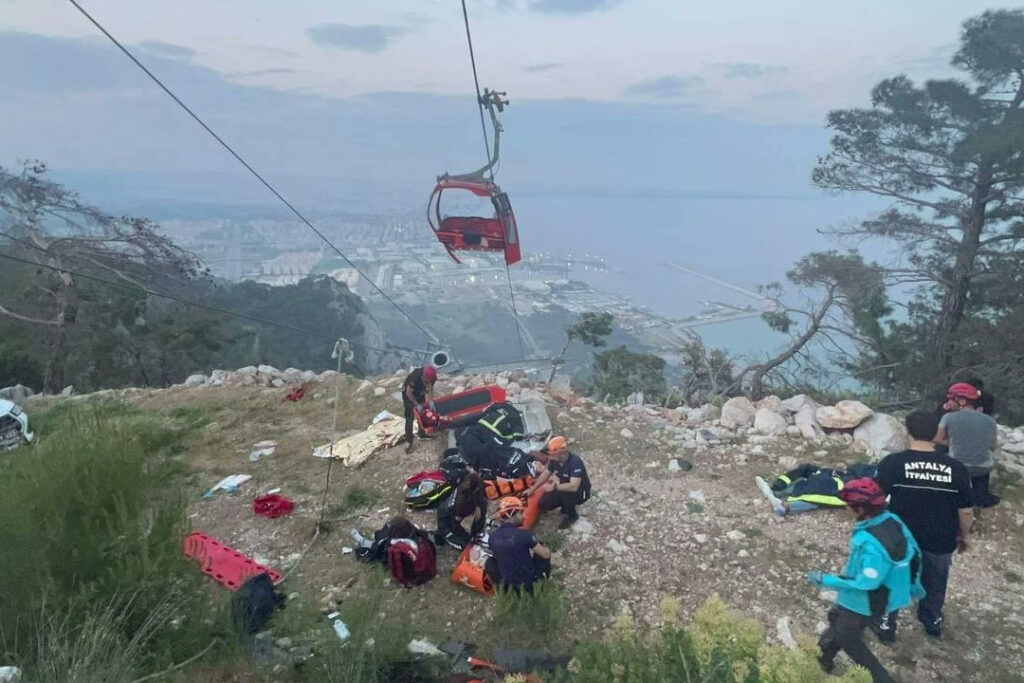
(339, 626)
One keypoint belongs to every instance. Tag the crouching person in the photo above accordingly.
(882, 574)
(520, 560)
(468, 503)
(564, 484)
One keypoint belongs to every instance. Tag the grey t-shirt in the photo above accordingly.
(972, 436)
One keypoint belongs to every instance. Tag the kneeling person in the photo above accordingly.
(520, 558)
(572, 485)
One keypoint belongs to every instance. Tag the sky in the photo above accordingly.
(696, 125)
(786, 61)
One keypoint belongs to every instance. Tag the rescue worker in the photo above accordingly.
(972, 436)
(520, 560)
(467, 502)
(809, 487)
(882, 575)
(570, 488)
(417, 391)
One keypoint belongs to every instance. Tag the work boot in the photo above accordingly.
(886, 630)
(568, 521)
(424, 435)
(410, 446)
(828, 666)
(934, 628)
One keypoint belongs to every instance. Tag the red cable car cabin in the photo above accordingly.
(474, 233)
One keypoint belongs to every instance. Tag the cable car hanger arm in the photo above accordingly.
(493, 101)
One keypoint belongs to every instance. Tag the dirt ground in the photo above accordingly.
(671, 529)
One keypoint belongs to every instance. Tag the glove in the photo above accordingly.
(816, 578)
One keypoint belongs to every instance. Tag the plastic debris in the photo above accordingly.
(422, 646)
(339, 626)
(229, 484)
(262, 449)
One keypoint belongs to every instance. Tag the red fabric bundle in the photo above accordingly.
(272, 505)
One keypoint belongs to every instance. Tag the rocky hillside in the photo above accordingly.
(675, 511)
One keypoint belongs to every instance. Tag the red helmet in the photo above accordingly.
(963, 390)
(862, 491)
(430, 373)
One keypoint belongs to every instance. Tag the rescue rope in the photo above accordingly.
(253, 171)
(476, 82)
(515, 313)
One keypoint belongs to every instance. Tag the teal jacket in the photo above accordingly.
(883, 573)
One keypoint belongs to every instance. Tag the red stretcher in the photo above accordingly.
(455, 408)
(222, 563)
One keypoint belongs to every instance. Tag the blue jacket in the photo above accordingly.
(884, 570)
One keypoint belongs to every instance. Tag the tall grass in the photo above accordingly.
(376, 651)
(717, 646)
(91, 522)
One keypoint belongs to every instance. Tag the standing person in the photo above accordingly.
(931, 493)
(878, 578)
(418, 389)
(971, 436)
(572, 487)
(521, 560)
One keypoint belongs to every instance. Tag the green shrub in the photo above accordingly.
(93, 518)
(718, 646)
(376, 650)
(530, 616)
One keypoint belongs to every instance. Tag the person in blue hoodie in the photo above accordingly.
(882, 574)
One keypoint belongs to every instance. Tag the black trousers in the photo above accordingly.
(410, 419)
(541, 570)
(846, 632)
(980, 495)
(934, 577)
(567, 500)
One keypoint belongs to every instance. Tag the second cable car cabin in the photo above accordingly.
(497, 233)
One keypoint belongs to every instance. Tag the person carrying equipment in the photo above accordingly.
(882, 575)
(520, 560)
(571, 488)
(808, 487)
(466, 502)
(417, 390)
(972, 436)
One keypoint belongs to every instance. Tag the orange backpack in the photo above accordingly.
(470, 569)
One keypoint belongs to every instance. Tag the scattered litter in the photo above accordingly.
(382, 510)
(698, 495)
(296, 394)
(274, 490)
(653, 464)
(229, 484)
(261, 449)
(338, 625)
(422, 646)
(345, 550)
(272, 505)
(222, 563)
(386, 431)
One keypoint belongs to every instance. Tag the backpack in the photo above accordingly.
(254, 603)
(425, 490)
(471, 569)
(412, 561)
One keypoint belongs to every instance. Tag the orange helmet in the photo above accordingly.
(557, 444)
(509, 506)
